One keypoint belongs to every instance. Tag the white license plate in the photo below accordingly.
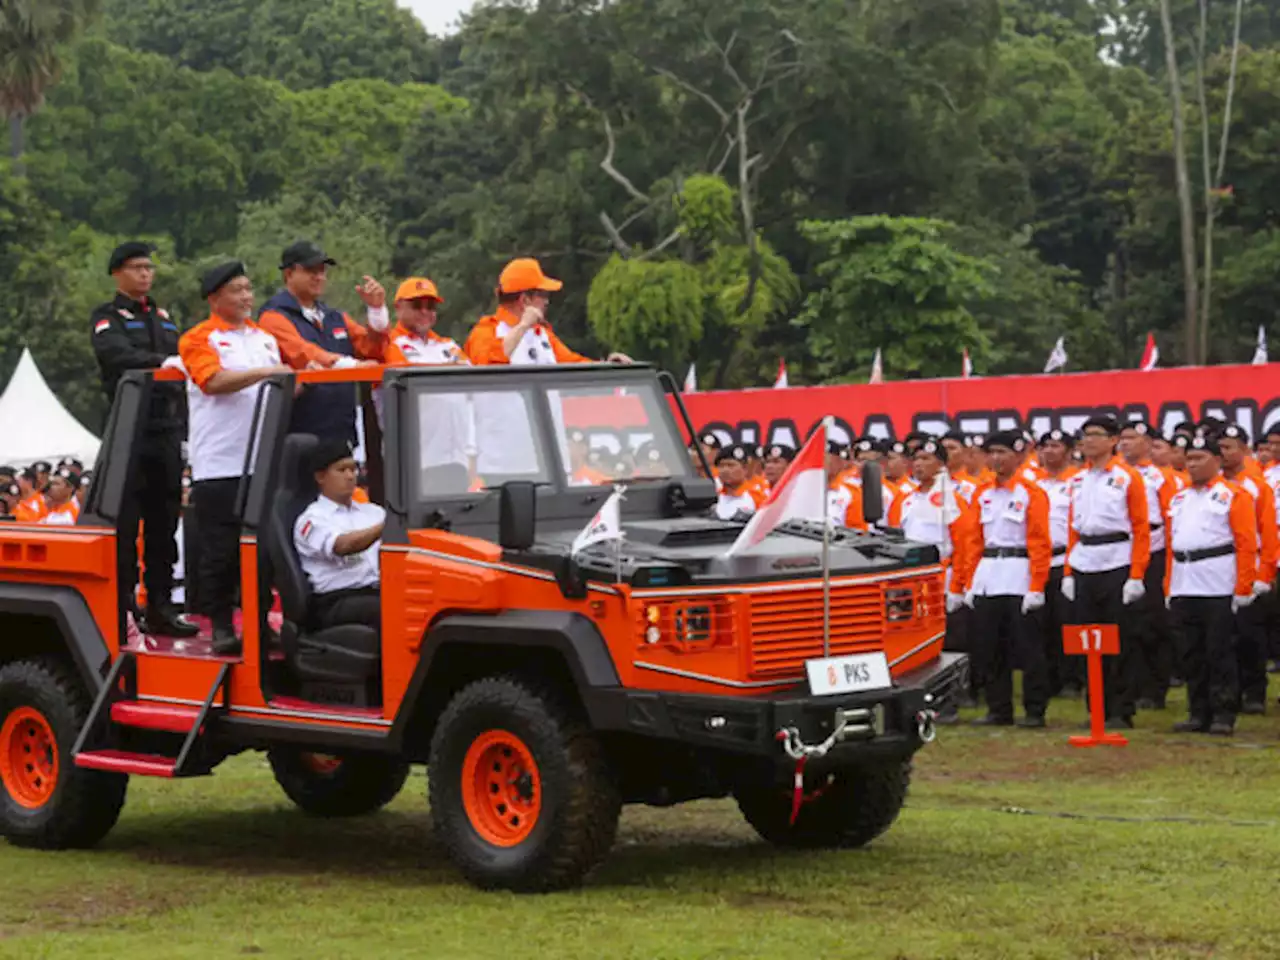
(852, 674)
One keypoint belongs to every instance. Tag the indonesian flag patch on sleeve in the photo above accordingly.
(340, 333)
(102, 324)
(305, 532)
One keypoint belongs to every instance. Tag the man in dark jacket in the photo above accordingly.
(132, 333)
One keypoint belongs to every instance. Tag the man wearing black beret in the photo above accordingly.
(131, 332)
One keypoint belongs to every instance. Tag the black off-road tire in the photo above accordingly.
(578, 797)
(852, 809)
(356, 784)
(84, 804)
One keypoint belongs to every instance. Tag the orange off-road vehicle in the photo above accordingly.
(542, 688)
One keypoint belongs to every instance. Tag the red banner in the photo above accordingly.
(1248, 395)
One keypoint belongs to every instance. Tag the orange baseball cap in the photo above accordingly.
(525, 274)
(418, 288)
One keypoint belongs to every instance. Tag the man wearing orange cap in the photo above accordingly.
(519, 332)
(413, 338)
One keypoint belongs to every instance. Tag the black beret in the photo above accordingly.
(42, 466)
(1055, 436)
(1140, 427)
(710, 440)
(1102, 423)
(975, 440)
(648, 453)
(895, 446)
(915, 436)
(71, 476)
(126, 252)
(736, 452)
(304, 253)
(957, 436)
(837, 448)
(1009, 439)
(1267, 434)
(781, 451)
(1235, 432)
(1207, 443)
(8, 471)
(933, 447)
(329, 452)
(865, 445)
(1186, 427)
(220, 276)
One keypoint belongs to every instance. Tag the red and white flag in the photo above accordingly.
(966, 365)
(877, 369)
(1151, 354)
(781, 382)
(801, 494)
(691, 379)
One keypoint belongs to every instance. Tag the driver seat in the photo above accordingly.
(341, 663)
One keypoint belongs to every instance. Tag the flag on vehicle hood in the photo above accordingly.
(781, 382)
(1057, 356)
(605, 525)
(1150, 354)
(877, 369)
(801, 494)
(691, 379)
(1260, 351)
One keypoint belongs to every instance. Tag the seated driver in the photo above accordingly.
(337, 539)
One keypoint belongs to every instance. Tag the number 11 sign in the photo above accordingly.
(1094, 641)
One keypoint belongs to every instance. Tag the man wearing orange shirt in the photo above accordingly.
(31, 506)
(519, 333)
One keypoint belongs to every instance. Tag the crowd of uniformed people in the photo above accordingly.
(1172, 538)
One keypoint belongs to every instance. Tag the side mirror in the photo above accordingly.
(872, 493)
(517, 515)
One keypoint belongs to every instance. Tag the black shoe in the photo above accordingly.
(1119, 723)
(1220, 729)
(1191, 726)
(967, 701)
(166, 622)
(991, 720)
(1254, 708)
(225, 642)
(1031, 721)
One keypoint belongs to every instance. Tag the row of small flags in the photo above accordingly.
(1057, 360)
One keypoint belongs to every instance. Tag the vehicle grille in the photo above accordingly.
(786, 627)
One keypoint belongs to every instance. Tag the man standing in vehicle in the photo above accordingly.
(227, 357)
(131, 332)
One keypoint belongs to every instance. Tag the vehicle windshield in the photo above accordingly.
(477, 439)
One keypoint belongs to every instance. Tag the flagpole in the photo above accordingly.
(826, 552)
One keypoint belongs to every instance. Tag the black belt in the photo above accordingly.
(1059, 551)
(1099, 539)
(1157, 526)
(1208, 553)
(1005, 553)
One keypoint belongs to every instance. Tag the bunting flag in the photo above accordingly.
(877, 369)
(966, 365)
(1057, 356)
(691, 379)
(781, 382)
(1150, 354)
(1260, 351)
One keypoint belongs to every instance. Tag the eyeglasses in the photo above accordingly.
(1097, 433)
(423, 303)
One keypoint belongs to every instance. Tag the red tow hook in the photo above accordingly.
(797, 796)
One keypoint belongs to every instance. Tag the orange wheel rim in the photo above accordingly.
(325, 764)
(28, 758)
(501, 788)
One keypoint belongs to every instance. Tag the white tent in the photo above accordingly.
(34, 425)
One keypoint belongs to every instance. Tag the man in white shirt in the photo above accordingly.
(338, 541)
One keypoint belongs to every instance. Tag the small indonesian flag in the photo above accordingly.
(801, 494)
(691, 379)
(340, 333)
(605, 525)
(966, 365)
(101, 325)
(781, 382)
(1150, 354)
(877, 369)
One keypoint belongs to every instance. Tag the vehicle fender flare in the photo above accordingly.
(70, 614)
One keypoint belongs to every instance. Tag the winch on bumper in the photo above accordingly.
(835, 728)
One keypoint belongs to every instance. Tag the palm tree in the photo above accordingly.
(31, 35)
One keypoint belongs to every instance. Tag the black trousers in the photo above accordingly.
(154, 496)
(218, 576)
(959, 639)
(1099, 600)
(1154, 641)
(1208, 655)
(1002, 637)
(360, 605)
(1063, 671)
(1251, 626)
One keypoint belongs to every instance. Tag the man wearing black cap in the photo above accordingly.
(735, 497)
(132, 333)
(1109, 547)
(311, 333)
(777, 457)
(226, 357)
(337, 540)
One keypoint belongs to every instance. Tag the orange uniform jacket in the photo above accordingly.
(1265, 507)
(31, 510)
(1244, 532)
(484, 343)
(297, 352)
(1039, 540)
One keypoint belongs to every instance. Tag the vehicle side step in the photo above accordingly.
(165, 717)
(122, 761)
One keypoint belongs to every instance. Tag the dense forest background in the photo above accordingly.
(726, 181)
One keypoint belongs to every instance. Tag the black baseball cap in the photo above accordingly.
(304, 253)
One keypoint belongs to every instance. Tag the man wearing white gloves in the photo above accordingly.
(1213, 553)
(1012, 549)
(1108, 549)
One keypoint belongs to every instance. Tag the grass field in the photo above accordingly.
(1012, 845)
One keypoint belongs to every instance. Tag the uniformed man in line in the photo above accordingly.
(1212, 560)
(519, 332)
(1066, 675)
(1251, 623)
(9, 496)
(31, 506)
(1013, 549)
(310, 333)
(844, 493)
(897, 466)
(64, 509)
(735, 497)
(708, 444)
(777, 458)
(1153, 660)
(227, 357)
(131, 332)
(1271, 440)
(1108, 548)
(43, 470)
(338, 541)
(956, 446)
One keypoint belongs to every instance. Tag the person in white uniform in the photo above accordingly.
(338, 541)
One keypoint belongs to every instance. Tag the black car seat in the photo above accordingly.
(349, 654)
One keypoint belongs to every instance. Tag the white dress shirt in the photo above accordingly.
(318, 528)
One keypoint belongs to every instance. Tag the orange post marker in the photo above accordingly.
(1093, 641)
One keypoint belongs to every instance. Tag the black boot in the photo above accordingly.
(1222, 728)
(991, 720)
(164, 621)
(225, 641)
(1032, 721)
(1253, 708)
(1191, 726)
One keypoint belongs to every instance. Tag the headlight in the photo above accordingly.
(688, 625)
(899, 604)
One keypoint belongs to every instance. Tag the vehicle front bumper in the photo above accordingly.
(893, 722)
